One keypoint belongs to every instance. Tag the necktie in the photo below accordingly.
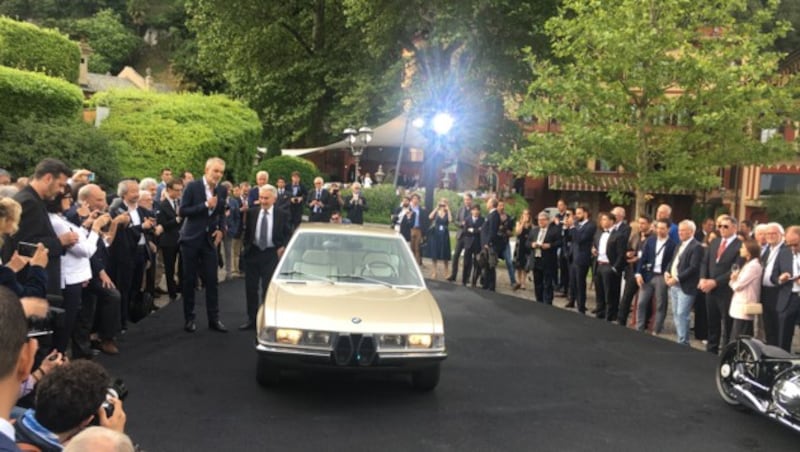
(262, 235)
(765, 255)
(175, 206)
(722, 245)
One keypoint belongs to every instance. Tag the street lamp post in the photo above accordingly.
(358, 141)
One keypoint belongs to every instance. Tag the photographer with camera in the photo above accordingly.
(356, 205)
(69, 399)
(439, 237)
(34, 256)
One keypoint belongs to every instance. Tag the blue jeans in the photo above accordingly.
(509, 264)
(681, 309)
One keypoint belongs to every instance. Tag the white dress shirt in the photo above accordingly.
(75, 265)
(602, 247)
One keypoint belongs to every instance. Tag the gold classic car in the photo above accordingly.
(349, 298)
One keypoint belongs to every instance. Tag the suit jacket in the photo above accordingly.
(35, 227)
(471, 233)
(720, 270)
(283, 200)
(233, 218)
(127, 238)
(198, 223)
(323, 214)
(582, 239)
(299, 194)
(168, 219)
(6, 445)
(617, 246)
(489, 230)
(406, 222)
(689, 263)
(552, 236)
(252, 197)
(281, 228)
(646, 264)
(784, 263)
(461, 216)
(355, 211)
(566, 243)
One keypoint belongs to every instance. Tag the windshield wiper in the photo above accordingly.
(299, 273)
(364, 278)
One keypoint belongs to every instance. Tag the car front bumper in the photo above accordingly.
(319, 359)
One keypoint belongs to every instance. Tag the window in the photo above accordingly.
(776, 184)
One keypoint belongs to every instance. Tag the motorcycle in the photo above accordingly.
(762, 378)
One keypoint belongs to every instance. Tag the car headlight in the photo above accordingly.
(288, 336)
(391, 341)
(420, 340)
(317, 338)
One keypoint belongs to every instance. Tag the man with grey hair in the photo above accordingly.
(319, 201)
(5, 177)
(664, 212)
(770, 290)
(544, 241)
(100, 439)
(266, 233)
(262, 178)
(682, 277)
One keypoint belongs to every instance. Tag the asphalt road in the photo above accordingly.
(520, 377)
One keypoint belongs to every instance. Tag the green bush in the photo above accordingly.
(28, 47)
(284, 165)
(26, 93)
(182, 131)
(26, 141)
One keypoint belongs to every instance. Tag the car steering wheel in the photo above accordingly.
(379, 265)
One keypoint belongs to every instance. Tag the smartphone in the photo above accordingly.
(91, 177)
(27, 249)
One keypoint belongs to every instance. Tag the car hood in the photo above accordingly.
(353, 308)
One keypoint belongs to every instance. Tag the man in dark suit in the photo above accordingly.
(565, 253)
(129, 253)
(682, 277)
(49, 179)
(284, 196)
(262, 178)
(715, 274)
(563, 265)
(461, 218)
(656, 255)
(544, 240)
(636, 244)
(203, 216)
(266, 233)
(355, 205)
(582, 239)
(610, 246)
(168, 219)
(786, 276)
(703, 231)
(471, 237)
(491, 242)
(319, 201)
(770, 290)
(297, 200)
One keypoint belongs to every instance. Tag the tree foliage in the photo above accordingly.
(25, 93)
(28, 47)
(112, 42)
(179, 130)
(667, 90)
(26, 141)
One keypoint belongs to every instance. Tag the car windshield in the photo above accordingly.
(315, 256)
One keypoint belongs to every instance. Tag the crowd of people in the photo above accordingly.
(728, 273)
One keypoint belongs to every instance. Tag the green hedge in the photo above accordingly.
(26, 94)
(284, 165)
(28, 47)
(182, 131)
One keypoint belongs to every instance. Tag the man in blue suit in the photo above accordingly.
(203, 212)
(582, 240)
(650, 270)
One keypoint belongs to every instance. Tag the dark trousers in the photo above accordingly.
(260, 267)
(787, 320)
(128, 278)
(700, 317)
(719, 322)
(200, 260)
(170, 255)
(105, 318)
(769, 298)
(577, 285)
(490, 278)
(71, 305)
(607, 288)
(563, 272)
(543, 278)
(469, 260)
(631, 289)
(741, 327)
(456, 256)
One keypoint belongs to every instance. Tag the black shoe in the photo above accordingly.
(571, 304)
(217, 326)
(595, 311)
(190, 326)
(451, 279)
(248, 325)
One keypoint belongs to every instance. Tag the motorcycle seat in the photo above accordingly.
(771, 351)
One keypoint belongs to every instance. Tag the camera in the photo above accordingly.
(43, 326)
(117, 390)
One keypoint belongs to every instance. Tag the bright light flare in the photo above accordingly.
(442, 123)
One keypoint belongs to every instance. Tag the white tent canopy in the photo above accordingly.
(388, 135)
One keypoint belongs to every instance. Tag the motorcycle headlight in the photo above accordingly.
(391, 341)
(420, 340)
(288, 336)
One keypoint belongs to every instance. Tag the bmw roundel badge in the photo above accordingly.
(356, 320)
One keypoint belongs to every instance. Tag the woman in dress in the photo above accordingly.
(521, 252)
(439, 237)
(746, 285)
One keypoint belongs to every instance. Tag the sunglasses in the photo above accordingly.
(723, 226)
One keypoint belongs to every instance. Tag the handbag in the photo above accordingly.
(754, 308)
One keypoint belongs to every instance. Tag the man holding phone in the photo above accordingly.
(786, 275)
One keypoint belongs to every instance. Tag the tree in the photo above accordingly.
(667, 90)
(113, 43)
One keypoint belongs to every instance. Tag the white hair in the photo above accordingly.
(761, 227)
(122, 187)
(262, 173)
(269, 188)
(144, 194)
(690, 224)
(777, 225)
(99, 439)
(212, 160)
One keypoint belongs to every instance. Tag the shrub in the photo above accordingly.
(284, 165)
(153, 130)
(28, 47)
(26, 141)
(26, 93)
